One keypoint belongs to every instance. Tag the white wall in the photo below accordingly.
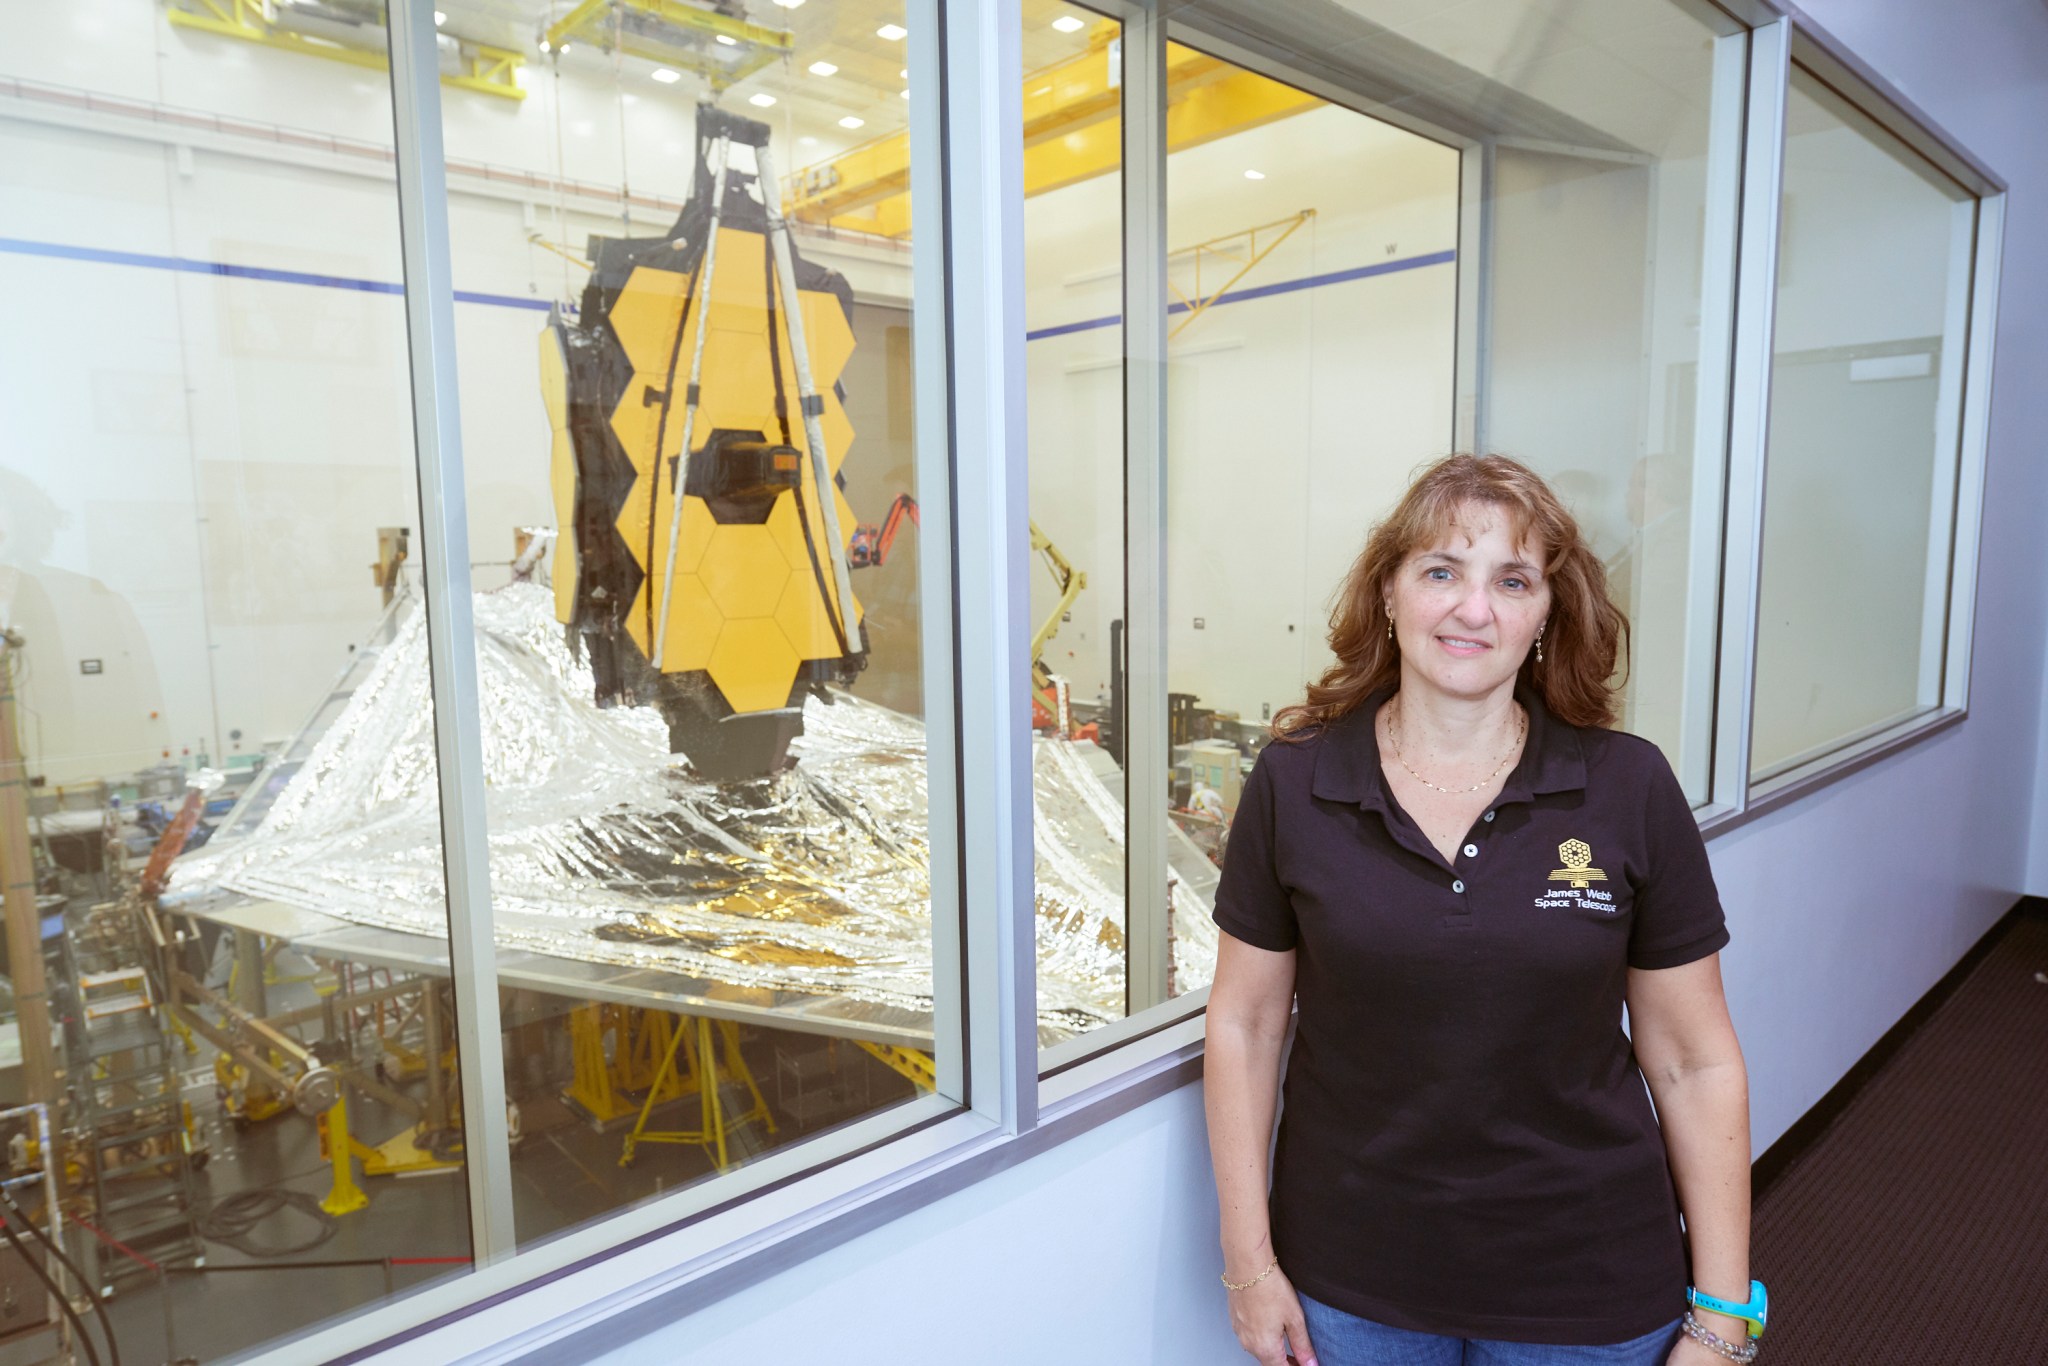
(1101, 1250)
(1845, 907)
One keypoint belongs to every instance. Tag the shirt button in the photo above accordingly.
(1471, 851)
(1489, 815)
(1457, 886)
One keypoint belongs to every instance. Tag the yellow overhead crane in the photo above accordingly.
(485, 69)
(1072, 132)
(677, 35)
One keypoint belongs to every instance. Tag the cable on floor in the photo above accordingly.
(230, 1220)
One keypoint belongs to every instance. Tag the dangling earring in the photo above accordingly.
(1539, 643)
(1390, 623)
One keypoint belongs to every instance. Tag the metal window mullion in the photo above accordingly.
(1469, 427)
(1147, 750)
(932, 447)
(1948, 433)
(451, 632)
(983, 168)
(1749, 408)
(1718, 253)
(1969, 519)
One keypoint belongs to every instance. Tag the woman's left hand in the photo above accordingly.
(1690, 1353)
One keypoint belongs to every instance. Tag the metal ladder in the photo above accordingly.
(129, 1099)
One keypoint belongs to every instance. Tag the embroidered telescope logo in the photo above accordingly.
(1577, 870)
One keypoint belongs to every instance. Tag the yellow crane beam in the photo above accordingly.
(1072, 132)
(486, 70)
(634, 27)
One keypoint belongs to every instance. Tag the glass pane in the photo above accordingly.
(1599, 256)
(1587, 127)
(1311, 360)
(1073, 310)
(205, 507)
(699, 586)
(1865, 404)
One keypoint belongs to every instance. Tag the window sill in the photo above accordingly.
(648, 1266)
(1785, 788)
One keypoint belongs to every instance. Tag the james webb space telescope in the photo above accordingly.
(699, 430)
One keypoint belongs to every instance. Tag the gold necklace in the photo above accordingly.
(1521, 730)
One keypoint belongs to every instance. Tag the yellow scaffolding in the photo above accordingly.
(1072, 132)
(485, 69)
(907, 1062)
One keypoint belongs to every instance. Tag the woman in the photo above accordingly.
(1460, 876)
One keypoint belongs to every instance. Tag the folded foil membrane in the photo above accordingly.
(606, 849)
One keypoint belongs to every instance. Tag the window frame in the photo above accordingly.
(1790, 40)
(993, 1108)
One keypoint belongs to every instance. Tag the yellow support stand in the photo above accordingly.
(650, 1037)
(400, 1155)
(344, 1196)
(698, 1039)
(593, 1089)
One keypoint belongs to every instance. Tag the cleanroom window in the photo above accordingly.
(1074, 391)
(210, 564)
(1593, 254)
(1311, 363)
(700, 643)
(687, 398)
(1865, 422)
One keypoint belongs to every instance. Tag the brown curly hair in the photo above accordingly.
(1586, 634)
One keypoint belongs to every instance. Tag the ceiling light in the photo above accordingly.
(789, 4)
(823, 69)
(904, 74)
(807, 141)
(729, 42)
(666, 76)
(761, 101)
(544, 46)
(1067, 23)
(893, 32)
(440, 18)
(1254, 175)
(904, 93)
(851, 121)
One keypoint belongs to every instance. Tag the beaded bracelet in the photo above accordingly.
(1229, 1284)
(1704, 1335)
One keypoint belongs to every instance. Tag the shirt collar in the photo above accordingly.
(1348, 760)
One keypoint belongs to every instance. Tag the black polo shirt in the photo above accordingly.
(1467, 1146)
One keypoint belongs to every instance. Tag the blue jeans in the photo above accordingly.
(1342, 1339)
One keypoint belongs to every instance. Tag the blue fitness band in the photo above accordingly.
(1753, 1311)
